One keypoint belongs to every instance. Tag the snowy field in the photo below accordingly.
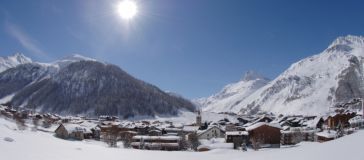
(29, 145)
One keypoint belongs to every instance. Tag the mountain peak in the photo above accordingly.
(252, 75)
(346, 43)
(20, 58)
(13, 61)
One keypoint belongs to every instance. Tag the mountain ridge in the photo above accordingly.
(86, 87)
(314, 84)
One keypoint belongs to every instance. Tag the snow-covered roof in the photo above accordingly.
(172, 129)
(259, 124)
(206, 130)
(190, 128)
(84, 126)
(237, 133)
(357, 119)
(285, 127)
(88, 124)
(111, 123)
(155, 130)
(313, 123)
(327, 134)
(74, 128)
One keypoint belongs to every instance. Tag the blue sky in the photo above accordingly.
(191, 47)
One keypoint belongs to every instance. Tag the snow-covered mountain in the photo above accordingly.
(81, 85)
(229, 97)
(312, 85)
(13, 61)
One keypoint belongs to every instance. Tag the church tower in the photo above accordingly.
(198, 118)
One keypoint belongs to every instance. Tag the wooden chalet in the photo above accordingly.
(70, 131)
(212, 132)
(80, 131)
(265, 134)
(326, 135)
(238, 138)
(334, 121)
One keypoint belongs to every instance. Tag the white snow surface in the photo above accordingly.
(13, 61)
(228, 98)
(70, 59)
(29, 145)
(259, 124)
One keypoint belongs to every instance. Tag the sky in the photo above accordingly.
(190, 47)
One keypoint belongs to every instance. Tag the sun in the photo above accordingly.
(127, 9)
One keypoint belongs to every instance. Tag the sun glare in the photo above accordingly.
(127, 9)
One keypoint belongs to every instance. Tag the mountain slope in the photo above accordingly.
(229, 97)
(314, 84)
(310, 87)
(13, 61)
(85, 86)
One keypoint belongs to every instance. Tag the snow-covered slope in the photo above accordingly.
(314, 84)
(311, 86)
(70, 59)
(228, 99)
(29, 145)
(13, 61)
(81, 85)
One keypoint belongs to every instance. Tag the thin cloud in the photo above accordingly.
(24, 39)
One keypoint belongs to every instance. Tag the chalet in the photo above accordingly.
(126, 135)
(263, 118)
(265, 134)
(357, 122)
(326, 135)
(237, 138)
(316, 123)
(212, 132)
(223, 121)
(142, 129)
(336, 120)
(108, 118)
(295, 135)
(84, 130)
(169, 143)
(155, 132)
(244, 120)
(231, 127)
(189, 129)
(92, 129)
(51, 118)
(173, 131)
(70, 131)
